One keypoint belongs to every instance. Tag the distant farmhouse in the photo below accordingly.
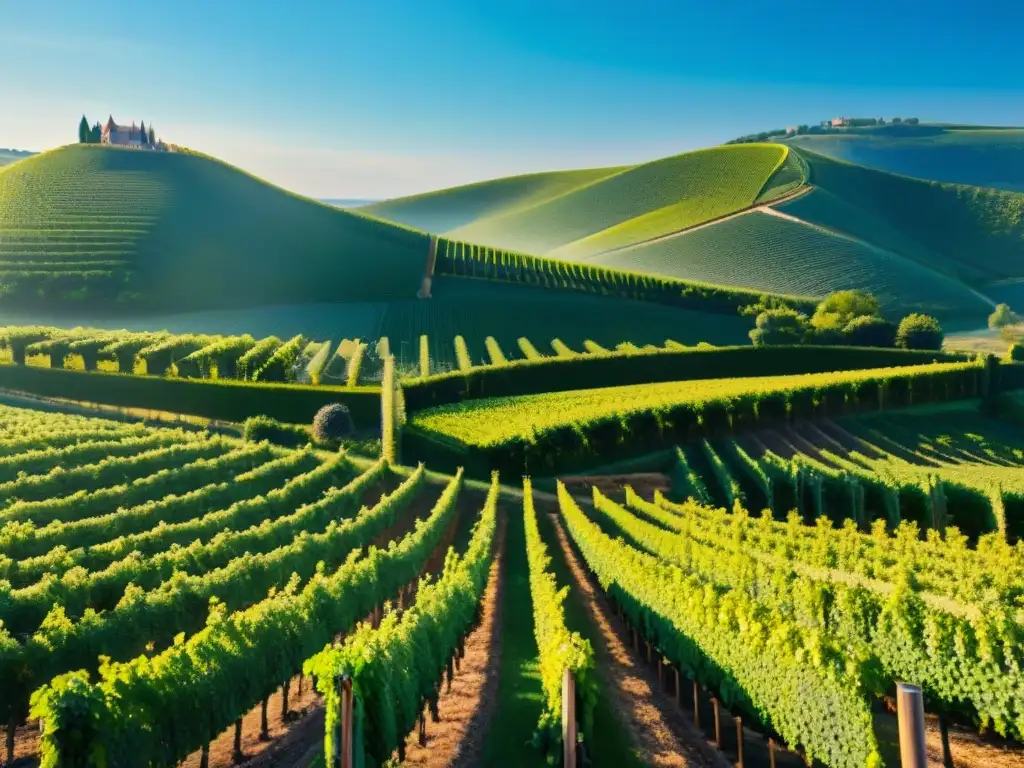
(129, 136)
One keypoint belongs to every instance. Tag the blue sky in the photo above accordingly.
(388, 97)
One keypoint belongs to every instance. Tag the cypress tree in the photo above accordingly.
(142, 131)
(83, 131)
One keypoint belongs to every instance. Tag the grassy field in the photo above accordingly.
(93, 226)
(959, 154)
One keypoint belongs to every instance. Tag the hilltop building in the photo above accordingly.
(128, 136)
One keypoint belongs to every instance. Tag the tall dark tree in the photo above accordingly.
(83, 131)
(142, 131)
(96, 134)
(152, 135)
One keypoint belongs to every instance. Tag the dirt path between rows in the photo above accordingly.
(656, 726)
(467, 707)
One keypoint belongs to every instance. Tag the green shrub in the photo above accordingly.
(919, 332)
(867, 331)
(332, 422)
(838, 309)
(1015, 353)
(1003, 316)
(779, 326)
(259, 428)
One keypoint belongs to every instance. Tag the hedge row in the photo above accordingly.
(223, 400)
(577, 447)
(559, 374)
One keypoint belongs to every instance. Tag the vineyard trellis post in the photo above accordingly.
(343, 728)
(910, 716)
(568, 719)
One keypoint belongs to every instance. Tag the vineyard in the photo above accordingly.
(160, 587)
(514, 494)
(92, 226)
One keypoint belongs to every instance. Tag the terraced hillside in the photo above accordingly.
(983, 157)
(577, 213)
(98, 225)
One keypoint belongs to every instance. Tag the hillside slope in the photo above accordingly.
(93, 225)
(984, 157)
(574, 214)
(980, 230)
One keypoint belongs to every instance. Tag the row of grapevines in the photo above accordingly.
(22, 610)
(158, 710)
(180, 604)
(941, 563)
(89, 519)
(397, 667)
(782, 673)
(35, 437)
(964, 658)
(223, 354)
(87, 477)
(258, 354)
(238, 503)
(42, 460)
(685, 482)
(559, 648)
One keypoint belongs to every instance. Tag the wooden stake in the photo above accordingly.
(204, 759)
(739, 742)
(910, 715)
(636, 641)
(771, 753)
(661, 675)
(947, 755)
(12, 726)
(284, 700)
(300, 685)
(423, 727)
(568, 719)
(264, 725)
(648, 651)
(345, 746)
(449, 673)
(718, 722)
(236, 755)
(696, 704)
(679, 691)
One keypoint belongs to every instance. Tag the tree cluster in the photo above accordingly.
(851, 318)
(89, 134)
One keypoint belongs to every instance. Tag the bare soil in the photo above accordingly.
(299, 721)
(644, 483)
(467, 706)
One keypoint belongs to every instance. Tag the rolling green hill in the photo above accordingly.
(756, 217)
(575, 214)
(94, 225)
(984, 157)
(978, 229)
